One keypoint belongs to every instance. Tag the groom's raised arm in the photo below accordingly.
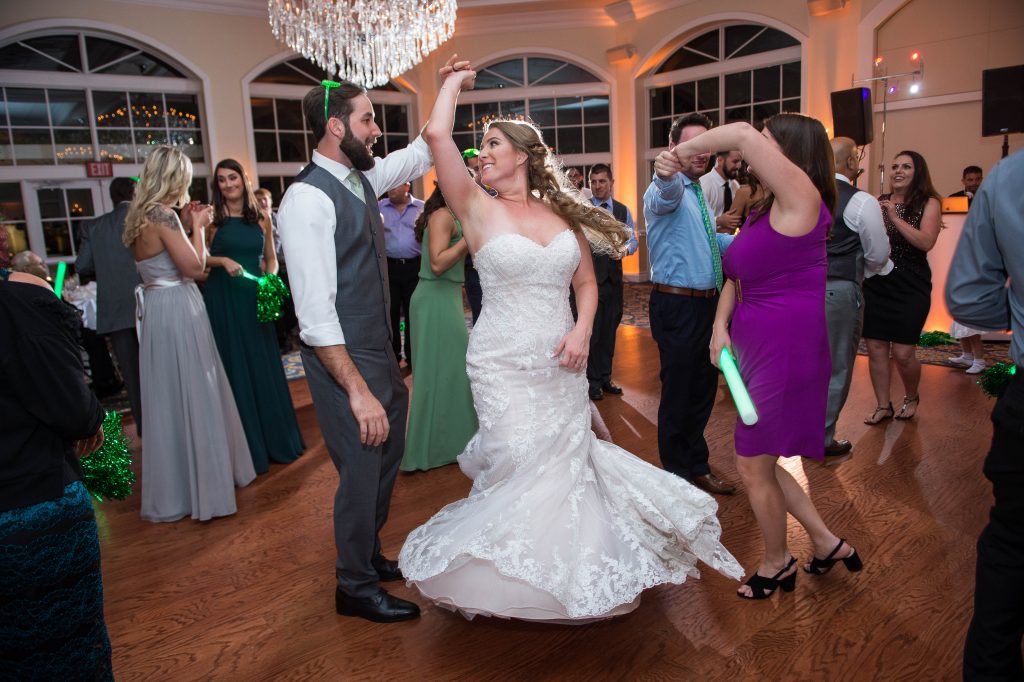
(400, 167)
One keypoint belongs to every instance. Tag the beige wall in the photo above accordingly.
(956, 46)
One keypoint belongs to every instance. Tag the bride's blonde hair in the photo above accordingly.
(164, 182)
(547, 180)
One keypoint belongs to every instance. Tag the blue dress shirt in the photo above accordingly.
(400, 228)
(631, 242)
(676, 237)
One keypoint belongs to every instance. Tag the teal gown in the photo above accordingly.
(441, 417)
(248, 348)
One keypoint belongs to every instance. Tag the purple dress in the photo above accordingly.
(780, 337)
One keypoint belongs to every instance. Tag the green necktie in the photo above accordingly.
(716, 255)
(356, 185)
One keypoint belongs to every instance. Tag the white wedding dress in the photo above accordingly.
(559, 526)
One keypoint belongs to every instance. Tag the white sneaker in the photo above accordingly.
(961, 361)
(977, 367)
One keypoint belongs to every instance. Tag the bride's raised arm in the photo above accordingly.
(461, 192)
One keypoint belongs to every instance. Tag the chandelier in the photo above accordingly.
(368, 42)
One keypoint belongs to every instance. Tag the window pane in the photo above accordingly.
(487, 80)
(542, 112)
(464, 140)
(51, 204)
(282, 73)
(791, 105)
(80, 203)
(199, 190)
(60, 48)
(73, 146)
(19, 57)
(397, 141)
(661, 101)
(763, 111)
(706, 43)
(293, 147)
(116, 146)
(713, 115)
(737, 88)
(597, 139)
(188, 141)
(67, 108)
(147, 110)
(262, 113)
(111, 109)
(707, 93)
(766, 42)
(659, 131)
(57, 236)
(511, 69)
(737, 114)
(595, 109)
(570, 73)
(570, 140)
(27, 107)
(289, 114)
(737, 36)
(463, 118)
(32, 147)
(266, 147)
(766, 84)
(183, 111)
(396, 118)
(485, 112)
(11, 205)
(515, 109)
(101, 52)
(6, 153)
(791, 79)
(142, 64)
(3, 110)
(570, 111)
(380, 147)
(684, 97)
(684, 58)
(147, 140)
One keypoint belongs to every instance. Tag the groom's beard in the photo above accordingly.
(356, 151)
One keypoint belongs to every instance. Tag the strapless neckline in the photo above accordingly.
(521, 236)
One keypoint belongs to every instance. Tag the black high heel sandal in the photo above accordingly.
(823, 566)
(762, 588)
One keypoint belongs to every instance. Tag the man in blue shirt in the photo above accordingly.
(686, 268)
(608, 272)
(399, 211)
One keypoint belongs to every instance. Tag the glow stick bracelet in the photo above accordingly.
(740, 396)
(58, 281)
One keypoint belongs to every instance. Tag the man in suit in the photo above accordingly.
(608, 272)
(104, 256)
(686, 269)
(971, 181)
(333, 237)
(720, 185)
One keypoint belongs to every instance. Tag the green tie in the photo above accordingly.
(716, 255)
(356, 185)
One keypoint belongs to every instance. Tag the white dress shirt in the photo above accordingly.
(306, 220)
(712, 184)
(863, 215)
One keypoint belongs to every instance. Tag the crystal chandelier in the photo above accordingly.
(368, 42)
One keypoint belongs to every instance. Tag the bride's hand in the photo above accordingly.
(719, 339)
(461, 71)
(573, 350)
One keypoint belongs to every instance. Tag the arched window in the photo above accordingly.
(70, 98)
(568, 103)
(734, 72)
(283, 143)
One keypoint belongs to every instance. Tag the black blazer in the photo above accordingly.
(606, 270)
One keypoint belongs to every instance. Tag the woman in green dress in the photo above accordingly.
(242, 241)
(441, 418)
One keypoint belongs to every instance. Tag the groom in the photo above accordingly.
(332, 234)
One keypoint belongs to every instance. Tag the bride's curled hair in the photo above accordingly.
(164, 181)
(547, 180)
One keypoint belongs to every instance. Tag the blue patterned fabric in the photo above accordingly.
(51, 592)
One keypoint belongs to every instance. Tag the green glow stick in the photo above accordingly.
(58, 281)
(740, 396)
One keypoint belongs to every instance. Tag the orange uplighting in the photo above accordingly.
(914, 56)
(878, 61)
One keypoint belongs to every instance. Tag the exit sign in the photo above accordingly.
(99, 169)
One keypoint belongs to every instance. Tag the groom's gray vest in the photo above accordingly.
(363, 301)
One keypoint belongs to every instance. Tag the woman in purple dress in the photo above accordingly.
(775, 299)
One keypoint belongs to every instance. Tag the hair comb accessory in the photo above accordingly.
(327, 93)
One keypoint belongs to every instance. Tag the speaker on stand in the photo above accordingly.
(1002, 103)
(851, 115)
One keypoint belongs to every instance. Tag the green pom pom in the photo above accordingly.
(994, 379)
(108, 471)
(935, 339)
(270, 295)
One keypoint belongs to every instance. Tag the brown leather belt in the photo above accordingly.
(686, 291)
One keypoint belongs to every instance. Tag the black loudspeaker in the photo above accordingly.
(1002, 101)
(851, 115)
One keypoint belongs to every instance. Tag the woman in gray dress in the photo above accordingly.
(194, 451)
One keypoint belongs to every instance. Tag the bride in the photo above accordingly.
(559, 526)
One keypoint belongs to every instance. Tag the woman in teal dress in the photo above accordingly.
(441, 418)
(248, 348)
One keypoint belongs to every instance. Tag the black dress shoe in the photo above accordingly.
(838, 448)
(611, 387)
(379, 608)
(596, 393)
(387, 570)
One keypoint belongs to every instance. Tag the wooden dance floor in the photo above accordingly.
(251, 597)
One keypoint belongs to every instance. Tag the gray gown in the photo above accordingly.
(194, 450)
